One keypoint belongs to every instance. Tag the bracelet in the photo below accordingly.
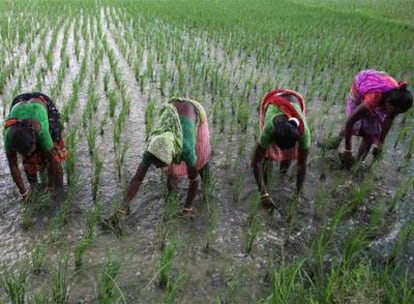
(26, 193)
(347, 150)
(264, 195)
(121, 211)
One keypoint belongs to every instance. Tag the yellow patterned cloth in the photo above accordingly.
(166, 141)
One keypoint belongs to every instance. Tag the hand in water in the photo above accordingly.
(347, 159)
(114, 220)
(267, 201)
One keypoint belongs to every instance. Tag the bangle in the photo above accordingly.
(26, 193)
(264, 195)
(121, 211)
(347, 150)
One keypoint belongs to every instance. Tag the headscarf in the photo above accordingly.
(166, 141)
(276, 98)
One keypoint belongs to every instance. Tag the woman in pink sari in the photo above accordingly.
(374, 101)
(181, 144)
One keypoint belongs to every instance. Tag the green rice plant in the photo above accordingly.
(410, 149)
(400, 193)
(404, 237)
(92, 217)
(285, 286)
(60, 283)
(233, 284)
(106, 280)
(360, 193)
(40, 298)
(237, 187)
(163, 81)
(171, 206)
(96, 175)
(173, 288)
(91, 138)
(149, 117)
(254, 203)
(80, 249)
(36, 204)
(161, 235)
(167, 256)
(119, 158)
(14, 284)
(243, 116)
(352, 248)
(37, 258)
(113, 98)
(252, 232)
(212, 221)
(69, 165)
(106, 84)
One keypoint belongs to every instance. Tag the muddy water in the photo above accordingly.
(226, 263)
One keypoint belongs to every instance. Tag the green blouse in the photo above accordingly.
(266, 138)
(34, 111)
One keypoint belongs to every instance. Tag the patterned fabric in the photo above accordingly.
(166, 141)
(268, 104)
(266, 136)
(188, 155)
(368, 88)
(275, 97)
(33, 111)
(203, 147)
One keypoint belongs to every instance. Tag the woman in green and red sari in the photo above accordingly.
(284, 137)
(181, 144)
(33, 130)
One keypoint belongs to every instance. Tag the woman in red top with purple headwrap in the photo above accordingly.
(374, 101)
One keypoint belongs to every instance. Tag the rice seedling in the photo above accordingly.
(252, 232)
(37, 258)
(405, 235)
(60, 284)
(167, 256)
(106, 280)
(233, 284)
(15, 284)
(149, 117)
(212, 218)
(40, 298)
(171, 206)
(173, 288)
(119, 158)
(96, 175)
(80, 250)
(237, 187)
(92, 134)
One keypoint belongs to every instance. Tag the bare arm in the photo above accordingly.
(301, 169)
(359, 113)
(386, 127)
(192, 188)
(135, 184)
(257, 161)
(15, 172)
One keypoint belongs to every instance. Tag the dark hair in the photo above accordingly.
(286, 134)
(401, 98)
(22, 138)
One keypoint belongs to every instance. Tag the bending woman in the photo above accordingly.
(181, 142)
(284, 137)
(374, 101)
(33, 130)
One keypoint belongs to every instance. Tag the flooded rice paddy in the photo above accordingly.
(104, 68)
